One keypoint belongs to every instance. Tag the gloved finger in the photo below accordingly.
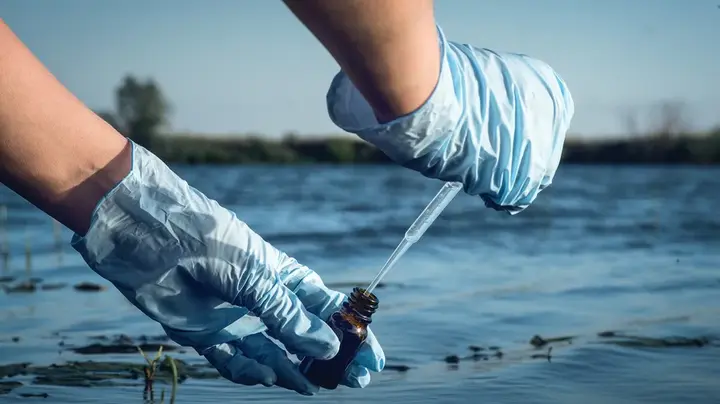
(370, 355)
(233, 365)
(266, 352)
(356, 376)
(315, 296)
(323, 301)
(286, 318)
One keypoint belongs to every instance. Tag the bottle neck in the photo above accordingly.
(360, 306)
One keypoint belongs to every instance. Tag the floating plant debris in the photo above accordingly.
(7, 279)
(123, 344)
(539, 342)
(34, 395)
(89, 287)
(625, 340)
(166, 370)
(34, 284)
(22, 287)
(397, 368)
(7, 387)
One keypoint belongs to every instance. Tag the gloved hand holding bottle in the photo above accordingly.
(213, 283)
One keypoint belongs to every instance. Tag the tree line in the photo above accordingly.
(141, 112)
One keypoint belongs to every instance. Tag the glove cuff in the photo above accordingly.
(410, 136)
(126, 242)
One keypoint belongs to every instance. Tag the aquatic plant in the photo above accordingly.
(149, 373)
(4, 248)
(174, 370)
(28, 256)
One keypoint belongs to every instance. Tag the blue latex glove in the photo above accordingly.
(496, 122)
(213, 284)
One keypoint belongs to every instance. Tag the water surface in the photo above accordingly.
(629, 249)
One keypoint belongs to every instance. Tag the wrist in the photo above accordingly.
(95, 179)
(406, 137)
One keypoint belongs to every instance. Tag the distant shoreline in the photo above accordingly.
(697, 149)
(141, 113)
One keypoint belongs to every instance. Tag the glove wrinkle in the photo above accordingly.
(210, 281)
(496, 122)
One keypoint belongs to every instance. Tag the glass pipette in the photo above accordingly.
(417, 229)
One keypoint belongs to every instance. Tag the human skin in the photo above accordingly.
(61, 157)
(389, 49)
(54, 151)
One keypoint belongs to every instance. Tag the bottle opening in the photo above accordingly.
(363, 303)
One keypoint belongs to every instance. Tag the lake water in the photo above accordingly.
(624, 249)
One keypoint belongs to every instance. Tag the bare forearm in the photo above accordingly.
(388, 48)
(54, 151)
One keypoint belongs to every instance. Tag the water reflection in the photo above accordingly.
(629, 252)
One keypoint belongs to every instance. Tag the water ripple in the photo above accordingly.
(604, 248)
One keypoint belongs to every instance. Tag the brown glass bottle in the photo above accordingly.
(350, 325)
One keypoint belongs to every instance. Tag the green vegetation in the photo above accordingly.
(141, 113)
(191, 149)
(683, 149)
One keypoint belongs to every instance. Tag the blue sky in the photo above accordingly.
(232, 66)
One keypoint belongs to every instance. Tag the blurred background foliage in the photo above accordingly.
(142, 112)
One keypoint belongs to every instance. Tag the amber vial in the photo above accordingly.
(350, 325)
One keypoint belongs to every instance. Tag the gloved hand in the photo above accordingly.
(495, 122)
(212, 283)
